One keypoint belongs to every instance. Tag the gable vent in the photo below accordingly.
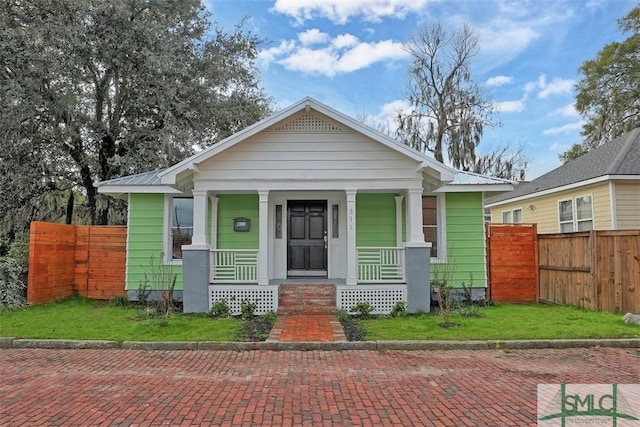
(307, 122)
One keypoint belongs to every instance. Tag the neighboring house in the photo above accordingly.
(599, 190)
(311, 195)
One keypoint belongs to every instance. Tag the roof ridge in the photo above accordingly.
(627, 142)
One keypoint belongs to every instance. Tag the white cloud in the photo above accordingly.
(321, 61)
(365, 54)
(269, 55)
(499, 80)
(340, 11)
(566, 111)
(313, 36)
(569, 127)
(506, 39)
(344, 41)
(556, 87)
(509, 106)
(342, 54)
(385, 120)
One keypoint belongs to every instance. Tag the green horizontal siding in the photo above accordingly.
(145, 240)
(375, 220)
(465, 240)
(232, 206)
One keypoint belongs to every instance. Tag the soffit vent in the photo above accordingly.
(307, 122)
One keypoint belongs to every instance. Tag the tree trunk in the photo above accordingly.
(70, 203)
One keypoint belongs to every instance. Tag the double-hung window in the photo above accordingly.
(430, 222)
(513, 216)
(575, 214)
(181, 225)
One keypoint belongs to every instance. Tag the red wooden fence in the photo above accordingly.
(512, 262)
(64, 259)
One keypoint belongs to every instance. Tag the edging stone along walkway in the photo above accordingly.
(296, 388)
(9, 342)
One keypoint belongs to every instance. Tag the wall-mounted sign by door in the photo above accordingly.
(241, 224)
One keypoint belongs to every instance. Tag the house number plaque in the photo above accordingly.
(241, 224)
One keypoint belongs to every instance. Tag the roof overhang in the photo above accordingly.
(170, 175)
(468, 188)
(121, 189)
(572, 186)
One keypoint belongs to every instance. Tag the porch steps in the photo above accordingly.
(306, 299)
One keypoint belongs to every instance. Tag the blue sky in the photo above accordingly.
(349, 55)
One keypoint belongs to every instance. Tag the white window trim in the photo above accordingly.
(441, 212)
(591, 218)
(513, 217)
(573, 216)
(166, 224)
(574, 211)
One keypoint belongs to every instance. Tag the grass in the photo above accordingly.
(505, 322)
(81, 318)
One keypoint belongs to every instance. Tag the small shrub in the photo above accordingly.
(119, 301)
(399, 309)
(220, 308)
(143, 292)
(467, 290)
(468, 310)
(443, 293)
(353, 329)
(247, 309)
(13, 290)
(362, 309)
(257, 328)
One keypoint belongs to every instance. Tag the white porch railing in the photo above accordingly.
(376, 265)
(234, 265)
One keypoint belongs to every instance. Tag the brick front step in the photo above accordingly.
(307, 299)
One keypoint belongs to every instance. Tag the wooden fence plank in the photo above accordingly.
(64, 259)
(597, 270)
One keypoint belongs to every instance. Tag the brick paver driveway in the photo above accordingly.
(134, 387)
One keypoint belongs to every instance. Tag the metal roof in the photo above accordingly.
(144, 178)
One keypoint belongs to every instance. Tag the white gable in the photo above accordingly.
(315, 123)
(309, 151)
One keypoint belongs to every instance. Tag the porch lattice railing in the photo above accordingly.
(234, 265)
(377, 264)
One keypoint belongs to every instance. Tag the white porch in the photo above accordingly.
(345, 261)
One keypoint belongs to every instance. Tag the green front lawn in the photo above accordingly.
(81, 318)
(505, 322)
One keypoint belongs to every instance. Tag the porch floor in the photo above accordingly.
(306, 328)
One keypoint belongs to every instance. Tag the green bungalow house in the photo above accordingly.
(307, 195)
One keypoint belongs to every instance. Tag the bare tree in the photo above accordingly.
(449, 110)
(503, 162)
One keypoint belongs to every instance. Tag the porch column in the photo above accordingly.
(352, 253)
(415, 234)
(213, 241)
(199, 238)
(399, 200)
(417, 256)
(263, 238)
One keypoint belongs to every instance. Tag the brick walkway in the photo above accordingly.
(307, 327)
(314, 388)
